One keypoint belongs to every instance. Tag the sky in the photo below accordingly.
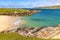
(27, 3)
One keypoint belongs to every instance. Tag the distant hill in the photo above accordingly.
(51, 7)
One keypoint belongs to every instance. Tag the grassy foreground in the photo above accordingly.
(15, 36)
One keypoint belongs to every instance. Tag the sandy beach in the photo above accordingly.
(7, 22)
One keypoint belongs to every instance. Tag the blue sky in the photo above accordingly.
(27, 3)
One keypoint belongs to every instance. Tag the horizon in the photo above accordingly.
(27, 3)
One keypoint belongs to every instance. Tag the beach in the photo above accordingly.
(43, 24)
(7, 22)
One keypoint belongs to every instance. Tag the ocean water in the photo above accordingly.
(45, 17)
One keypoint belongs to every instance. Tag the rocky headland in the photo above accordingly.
(17, 12)
(52, 32)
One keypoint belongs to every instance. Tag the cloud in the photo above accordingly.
(29, 3)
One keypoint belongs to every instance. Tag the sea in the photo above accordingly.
(45, 17)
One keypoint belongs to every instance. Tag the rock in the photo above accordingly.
(59, 25)
(42, 32)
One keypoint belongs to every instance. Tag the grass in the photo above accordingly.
(15, 36)
(53, 7)
(16, 12)
(10, 10)
(50, 7)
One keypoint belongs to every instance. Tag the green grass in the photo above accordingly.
(55, 7)
(10, 10)
(50, 7)
(15, 36)
(15, 12)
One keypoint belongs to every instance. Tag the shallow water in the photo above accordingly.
(46, 17)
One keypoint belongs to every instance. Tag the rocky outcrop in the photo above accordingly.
(42, 32)
(19, 12)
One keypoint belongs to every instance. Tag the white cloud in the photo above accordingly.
(32, 3)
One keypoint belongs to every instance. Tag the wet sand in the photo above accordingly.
(7, 22)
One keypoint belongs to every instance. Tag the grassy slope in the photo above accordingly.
(19, 12)
(10, 10)
(52, 7)
(15, 36)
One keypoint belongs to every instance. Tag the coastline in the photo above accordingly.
(46, 32)
(42, 32)
(17, 12)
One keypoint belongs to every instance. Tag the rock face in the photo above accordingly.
(48, 32)
(43, 32)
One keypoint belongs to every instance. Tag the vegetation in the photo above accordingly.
(53, 7)
(12, 11)
(49, 7)
(15, 36)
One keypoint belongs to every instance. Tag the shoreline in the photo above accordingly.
(17, 12)
(42, 32)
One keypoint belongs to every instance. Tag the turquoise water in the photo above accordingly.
(46, 17)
